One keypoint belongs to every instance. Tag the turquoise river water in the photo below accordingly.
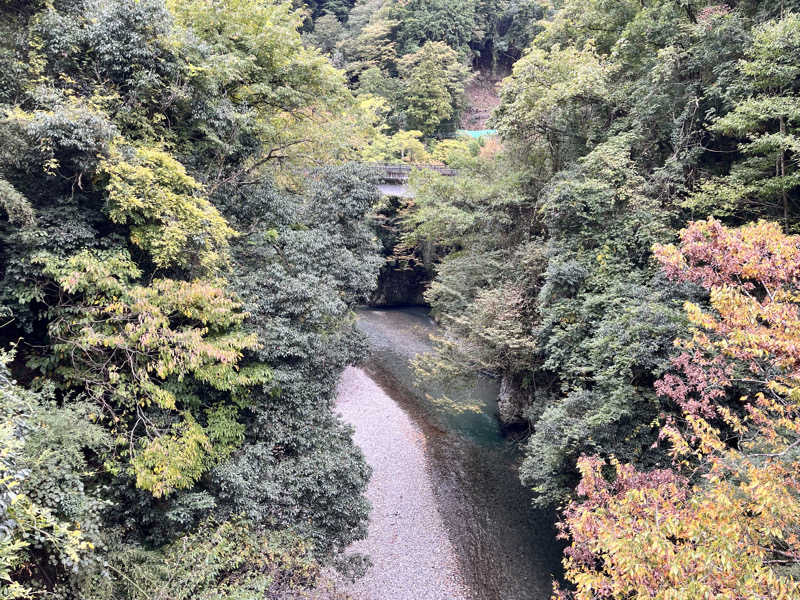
(507, 549)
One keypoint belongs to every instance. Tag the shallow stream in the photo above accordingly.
(507, 550)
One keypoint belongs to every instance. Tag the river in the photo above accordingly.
(505, 549)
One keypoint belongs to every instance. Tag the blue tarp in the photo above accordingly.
(479, 133)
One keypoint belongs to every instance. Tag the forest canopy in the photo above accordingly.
(625, 266)
(174, 319)
(187, 223)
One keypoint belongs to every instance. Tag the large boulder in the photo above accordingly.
(512, 401)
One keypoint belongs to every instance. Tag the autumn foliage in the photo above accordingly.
(724, 520)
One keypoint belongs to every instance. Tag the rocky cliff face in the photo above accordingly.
(404, 277)
(511, 401)
(400, 283)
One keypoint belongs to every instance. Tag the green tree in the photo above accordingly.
(327, 34)
(301, 263)
(168, 216)
(370, 40)
(136, 349)
(131, 128)
(766, 181)
(451, 22)
(239, 561)
(577, 22)
(504, 29)
(50, 501)
(555, 102)
(433, 86)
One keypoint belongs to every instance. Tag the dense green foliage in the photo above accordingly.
(184, 234)
(490, 32)
(614, 136)
(180, 320)
(623, 122)
(414, 54)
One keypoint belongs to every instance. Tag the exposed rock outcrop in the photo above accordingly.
(400, 283)
(404, 277)
(512, 401)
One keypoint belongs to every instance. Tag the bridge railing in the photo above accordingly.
(395, 171)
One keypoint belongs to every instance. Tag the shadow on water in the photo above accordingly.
(507, 549)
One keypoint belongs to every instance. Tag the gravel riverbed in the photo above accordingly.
(412, 555)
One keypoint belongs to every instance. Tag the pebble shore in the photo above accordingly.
(407, 542)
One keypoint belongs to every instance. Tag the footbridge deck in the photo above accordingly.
(393, 177)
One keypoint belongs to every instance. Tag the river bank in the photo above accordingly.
(412, 556)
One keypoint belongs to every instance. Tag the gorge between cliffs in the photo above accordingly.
(449, 516)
